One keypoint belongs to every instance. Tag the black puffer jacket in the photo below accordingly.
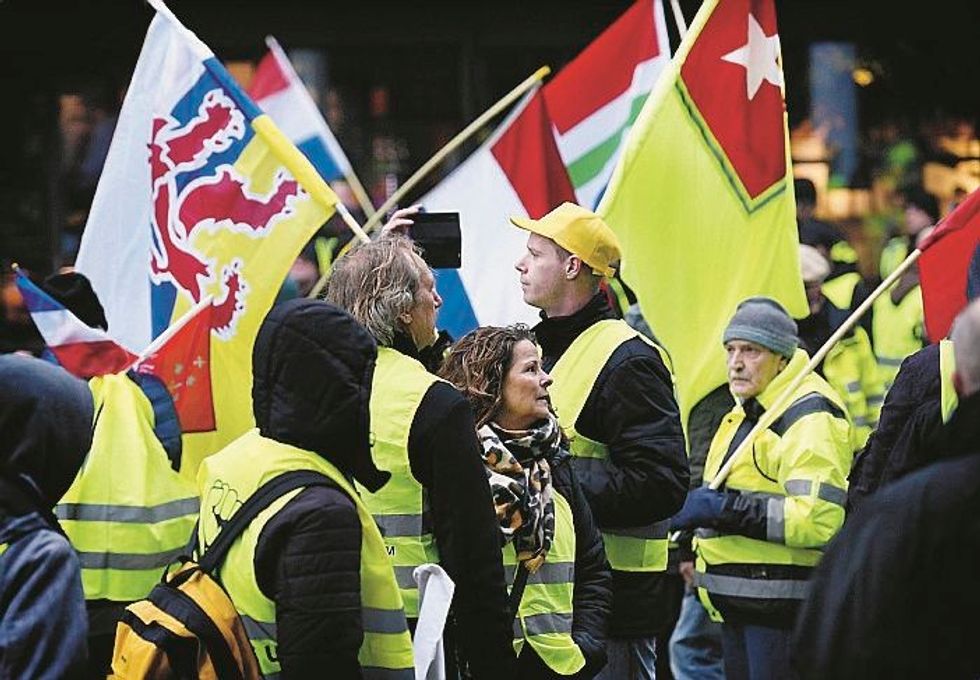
(911, 417)
(632, 410)
(312, 368)
(592, 599)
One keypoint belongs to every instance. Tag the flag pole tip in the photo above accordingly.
(542, 72)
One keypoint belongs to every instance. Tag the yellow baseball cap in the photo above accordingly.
(580, 232)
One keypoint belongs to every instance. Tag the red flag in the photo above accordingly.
(183, 362)
(943, 266)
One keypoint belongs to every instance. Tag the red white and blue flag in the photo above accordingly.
(278, 91)
(202, 196)
(83, 351)
(560, 144)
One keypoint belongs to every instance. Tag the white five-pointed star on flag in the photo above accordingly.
(759, 55)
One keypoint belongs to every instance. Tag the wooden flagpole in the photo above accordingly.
(531, 81)
(783, 400)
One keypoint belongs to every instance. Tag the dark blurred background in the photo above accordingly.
(398, 79)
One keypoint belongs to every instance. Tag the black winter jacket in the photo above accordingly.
(592, 599)
(897, 593)
(445, 458)
(312, 368)
(910, 417)
(632, 410)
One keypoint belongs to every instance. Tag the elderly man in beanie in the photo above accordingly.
(850, 366)
(760, 535)
(613, 391)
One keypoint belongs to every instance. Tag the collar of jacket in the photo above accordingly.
(774, 389)
(403, 343)
(556, 333)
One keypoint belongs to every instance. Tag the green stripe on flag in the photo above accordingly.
(583, 169)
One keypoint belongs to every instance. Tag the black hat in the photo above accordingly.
(74, 291)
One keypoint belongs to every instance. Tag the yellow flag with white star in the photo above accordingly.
(702, 199)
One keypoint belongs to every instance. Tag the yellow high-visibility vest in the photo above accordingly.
(128, 514)
(226, 480)
(545, 614)
(630, 549)
(400, 507)
(800, 465)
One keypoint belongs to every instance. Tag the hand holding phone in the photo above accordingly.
(438, 235)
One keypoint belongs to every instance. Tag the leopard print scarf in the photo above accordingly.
(520, 483)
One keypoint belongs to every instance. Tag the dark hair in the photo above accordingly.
(922, 200)
(805, 191)
(478, 363)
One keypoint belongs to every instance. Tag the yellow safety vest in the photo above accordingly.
(400, 507)
(892, 255)
(851, 369)
(226, 480)
(628, 549)
(544, 617)
(128, 514)
(840, 289)
(898, 331)
(948, 399)
(800, 464)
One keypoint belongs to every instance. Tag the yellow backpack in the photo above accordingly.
(187, 627)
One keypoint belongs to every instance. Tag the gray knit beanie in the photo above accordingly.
(765, 322)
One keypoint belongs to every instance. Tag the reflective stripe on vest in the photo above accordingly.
(948, 399)
(227, 479)
(642, 548)
(813, 415)
(544, 617)
(126, 527)
(898, 331)
(399, 507)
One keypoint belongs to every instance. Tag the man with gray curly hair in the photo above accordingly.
(436, 507)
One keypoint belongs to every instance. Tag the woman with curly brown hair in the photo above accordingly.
(550, 537)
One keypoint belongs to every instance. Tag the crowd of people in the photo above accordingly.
(547, 470)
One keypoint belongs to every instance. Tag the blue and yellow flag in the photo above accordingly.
(201, 196)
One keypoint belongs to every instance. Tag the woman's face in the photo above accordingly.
(525, 390)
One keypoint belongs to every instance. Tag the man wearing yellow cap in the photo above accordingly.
(613, 392)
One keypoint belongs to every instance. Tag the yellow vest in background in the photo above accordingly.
(128, 514)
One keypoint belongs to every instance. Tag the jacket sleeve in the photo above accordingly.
(646, 478)
(308, 561)
(43, 625)
(813, 457)
(592, 601)
(445, 458)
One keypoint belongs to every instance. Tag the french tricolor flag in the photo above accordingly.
(280, 93)
(83, 351)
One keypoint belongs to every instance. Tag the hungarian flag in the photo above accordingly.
(201, 196)
(702, 198)
(560, 143)
(948, 255)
